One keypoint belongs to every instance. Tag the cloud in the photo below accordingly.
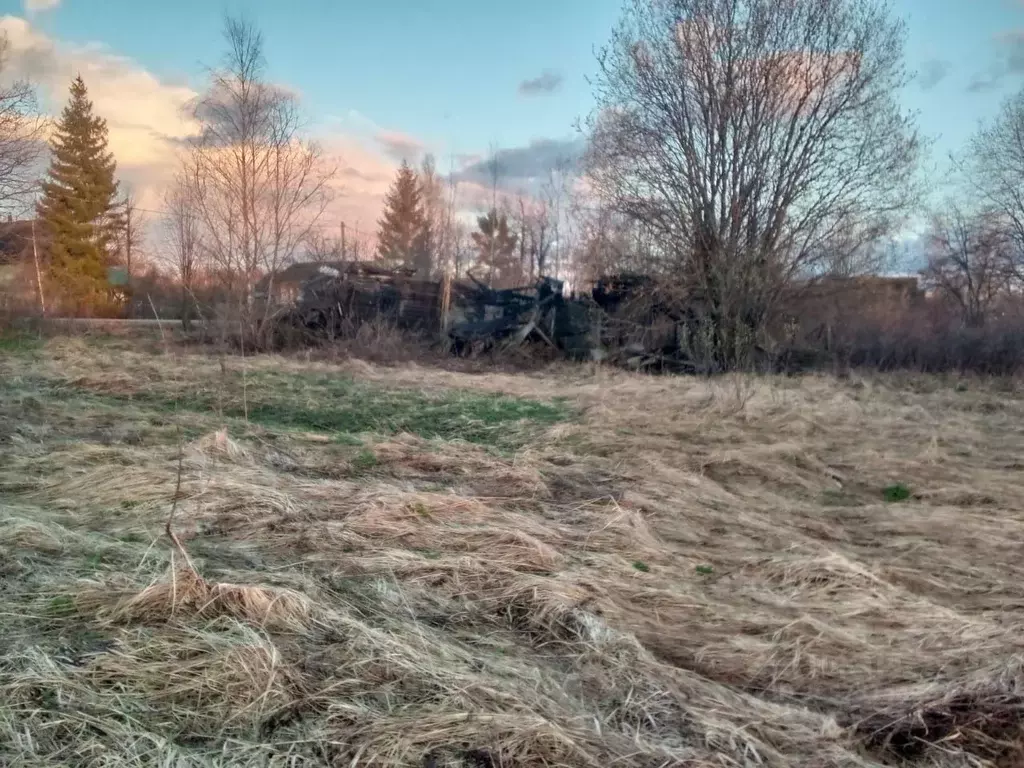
(523, 173)
(363, 177)
(546, 82)
(400, 146)
(38, 6)
(932, 73)
(533, 162)
(1009, 62)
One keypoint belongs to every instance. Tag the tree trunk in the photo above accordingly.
(186, 310)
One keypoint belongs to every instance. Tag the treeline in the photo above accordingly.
(742, 151)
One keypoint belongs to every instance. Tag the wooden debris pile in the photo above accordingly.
(619, 320)
(647, 324)
(485, 319)
(338, 298)
(633, 320)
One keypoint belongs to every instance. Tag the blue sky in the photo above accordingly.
(449, 75)
(448, 71)
(445, 71)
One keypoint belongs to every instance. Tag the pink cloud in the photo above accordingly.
(360, 184)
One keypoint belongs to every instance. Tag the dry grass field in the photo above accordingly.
(415, 567)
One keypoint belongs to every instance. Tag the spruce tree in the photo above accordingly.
(403, 237)
(78, 208)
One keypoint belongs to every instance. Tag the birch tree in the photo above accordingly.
(259, 185)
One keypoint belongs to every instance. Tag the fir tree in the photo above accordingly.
(403, 237)
(496, 251)
(78, 207)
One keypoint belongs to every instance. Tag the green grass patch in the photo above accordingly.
(61, 605)
(344, 408)
(19, 343)
(341, 407)
(344, 438)
(641, 566)
(896, 493)
(364, 461)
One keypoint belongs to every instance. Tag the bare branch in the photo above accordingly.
(969, 261)
(21, 139)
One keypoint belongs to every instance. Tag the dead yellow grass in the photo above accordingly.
(693, 573)
(185, 595)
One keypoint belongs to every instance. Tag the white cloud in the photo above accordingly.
(38, 6)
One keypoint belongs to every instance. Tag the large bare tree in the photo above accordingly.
(752, 136)
(435, 211)
(533, 219)
(260, 187)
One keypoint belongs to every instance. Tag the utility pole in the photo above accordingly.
(343, 256)
(494, 213)
(129, 235)
(39, 277)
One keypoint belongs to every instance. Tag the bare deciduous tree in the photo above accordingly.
(968, 261)
(21, 139)
(130, 237)
(994, 168)
(435, 211)
(746, 135)
(453, 241)
(184, 235)
(461, 250)
(533, 220)
(321, 247)
(260, 186)
(609, 243)
(558, 196)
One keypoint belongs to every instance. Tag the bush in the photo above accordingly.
(928, 337)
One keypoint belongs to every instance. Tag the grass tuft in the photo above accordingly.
(896, 493)
(186, 595)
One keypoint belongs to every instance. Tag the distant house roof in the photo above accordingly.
(300, 272)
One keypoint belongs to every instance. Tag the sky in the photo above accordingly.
(384, 80)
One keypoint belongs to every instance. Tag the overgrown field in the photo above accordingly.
(413, 567)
